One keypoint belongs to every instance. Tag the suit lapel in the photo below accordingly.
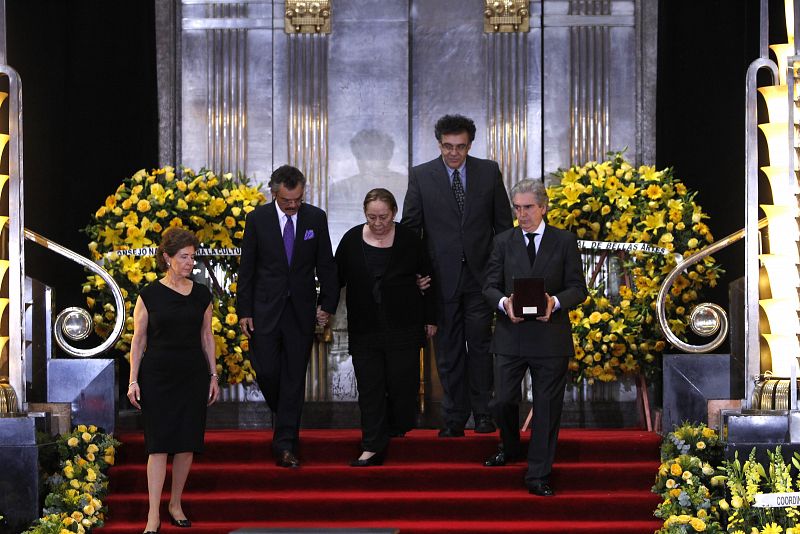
(300, 231)
(519, 252)
(544, 253)
(441, 178)
(275, 230)
(471, 188)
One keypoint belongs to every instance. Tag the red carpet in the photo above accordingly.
(602, 480)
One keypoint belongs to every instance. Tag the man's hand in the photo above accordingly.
(551, 302)
(423, 282)
(509, 306)
(246, 324)
(322, 316)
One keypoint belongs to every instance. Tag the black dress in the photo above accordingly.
(174, 374)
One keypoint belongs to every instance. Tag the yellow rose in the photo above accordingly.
(75, 484)
(675, 470)
(231, 319)
(109, 460)
(72, 442)
(698, 524)
(92, 448)
(701, 445)
(82, 428)
(736, 501)
(69, 472)
(86, 437)
(91, 476)
(90, 456)
(143, 205)
(150, 276)
(88, 509)
(670, 483)
(76, 515)
(230, 222)
(675, 492)
(181, 204)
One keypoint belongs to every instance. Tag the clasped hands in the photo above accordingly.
(509, 307)
(246, 323)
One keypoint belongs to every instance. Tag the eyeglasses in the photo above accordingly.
(289, 201)
(447, 147)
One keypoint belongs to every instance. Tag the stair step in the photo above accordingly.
(451, 476)
(387, 505)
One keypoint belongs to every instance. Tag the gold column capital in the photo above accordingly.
(506, 16)
(308, 16)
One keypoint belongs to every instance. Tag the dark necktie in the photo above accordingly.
(458, 190)
(288, 238)
(531, 247)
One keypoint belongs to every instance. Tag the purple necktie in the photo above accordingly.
(288, 238)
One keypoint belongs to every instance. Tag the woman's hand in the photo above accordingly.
(430, 330)
(134, 395)
(213, 391)
(423, 283)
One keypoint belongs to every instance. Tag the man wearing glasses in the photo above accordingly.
(285, 243)
(458, 203)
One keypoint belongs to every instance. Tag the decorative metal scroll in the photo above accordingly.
(110, 283)
(703, 313)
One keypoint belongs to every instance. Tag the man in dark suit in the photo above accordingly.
(543, 345)
(285, 243)
(458, 203)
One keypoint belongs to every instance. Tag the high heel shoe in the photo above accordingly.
(156, 531)
(181, 523)
(374, 460)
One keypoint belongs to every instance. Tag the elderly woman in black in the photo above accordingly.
(388, 320)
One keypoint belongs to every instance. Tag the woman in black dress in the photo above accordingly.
(173, 370)
(388, 319)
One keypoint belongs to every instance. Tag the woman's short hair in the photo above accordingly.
(531, 186)
(173, 240)
(383, 195)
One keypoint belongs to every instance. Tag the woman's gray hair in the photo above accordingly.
(531, 186)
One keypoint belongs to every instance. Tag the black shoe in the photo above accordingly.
(484, 425)
(182, 523)
(449, 432)
(540, 488)
(374, 460)
(287, 458)
(501, 458)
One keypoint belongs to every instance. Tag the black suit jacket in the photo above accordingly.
(430, 209)
(559, 263)
(402, 301)
(266, 280)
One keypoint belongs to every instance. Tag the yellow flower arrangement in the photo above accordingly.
(687, 482)
(614, 201)
(77, 489)
(140, 210)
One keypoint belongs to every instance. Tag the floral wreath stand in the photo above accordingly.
(642, 395)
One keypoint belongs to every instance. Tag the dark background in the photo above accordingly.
(90, 103)
(88, 72)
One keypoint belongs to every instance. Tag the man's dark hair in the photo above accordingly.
(288, 176)
(454, 124)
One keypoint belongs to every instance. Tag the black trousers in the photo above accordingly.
(388, 382)
(462, 352)
(548, 377)
(280, 360)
